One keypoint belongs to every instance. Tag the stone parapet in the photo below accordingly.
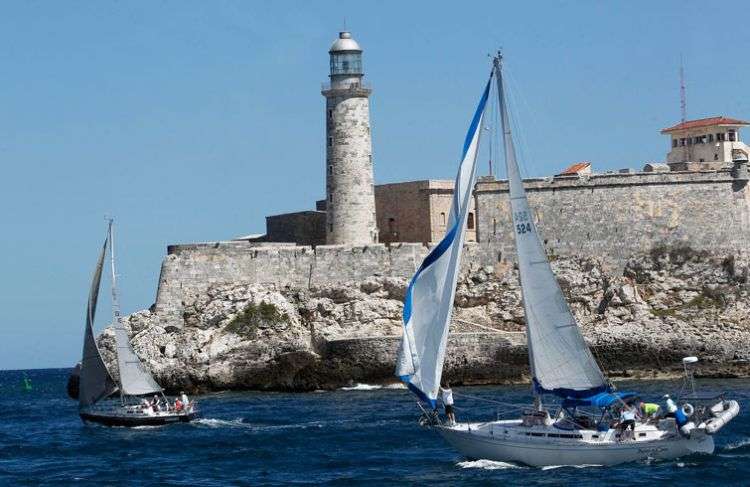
(188, 270)
(612, 216)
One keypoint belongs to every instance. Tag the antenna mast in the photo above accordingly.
(683, 97)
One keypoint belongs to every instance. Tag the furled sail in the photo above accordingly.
(429, 298)
(135, 380)
(95, 382)
(561, 362)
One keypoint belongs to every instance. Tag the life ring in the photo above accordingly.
(688, 409)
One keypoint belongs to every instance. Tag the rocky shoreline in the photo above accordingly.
(640, 321)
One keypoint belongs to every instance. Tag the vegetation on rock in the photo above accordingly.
(247, 322)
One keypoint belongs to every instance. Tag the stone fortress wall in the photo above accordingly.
(607, 216)
(615, 215)
(189, 270)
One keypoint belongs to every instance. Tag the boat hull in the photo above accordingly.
(108, 418)
(543, 454)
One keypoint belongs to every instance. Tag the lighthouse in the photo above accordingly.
(350, 198)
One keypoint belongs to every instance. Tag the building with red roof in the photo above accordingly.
(705, 143)
(577, 169)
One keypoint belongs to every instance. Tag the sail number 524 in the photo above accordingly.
(523, 225)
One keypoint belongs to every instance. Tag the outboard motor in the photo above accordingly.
(74, 382)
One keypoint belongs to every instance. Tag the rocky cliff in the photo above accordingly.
(639, 321)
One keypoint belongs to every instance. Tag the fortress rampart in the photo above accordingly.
(613, 216)
(189, 270)
(607, 216)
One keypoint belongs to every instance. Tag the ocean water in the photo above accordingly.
(363, 435)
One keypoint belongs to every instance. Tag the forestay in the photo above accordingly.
(429, 298)
(561, 362)
(95, 381)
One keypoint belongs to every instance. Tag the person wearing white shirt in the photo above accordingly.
(446, 394)
(184, 400)
(671, 407)
(627, 422)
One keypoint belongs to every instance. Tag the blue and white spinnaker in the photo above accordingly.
(429, 299)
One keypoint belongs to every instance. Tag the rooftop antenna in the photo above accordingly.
(683, 97)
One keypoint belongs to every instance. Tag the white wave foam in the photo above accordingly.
(737, 444)
(222, 423)
(396, 385)
(362, 387)
(584, 465)
(238, 423)
(487, 465)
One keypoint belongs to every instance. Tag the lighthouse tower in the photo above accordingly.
(350, 198)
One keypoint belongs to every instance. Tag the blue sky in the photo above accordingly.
(191, 121)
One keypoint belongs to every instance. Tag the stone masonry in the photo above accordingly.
(189, 270)
(612, 216)
(350, 199)
(417, 211)
(606, 216)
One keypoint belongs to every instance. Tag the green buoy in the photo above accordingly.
(26, 384)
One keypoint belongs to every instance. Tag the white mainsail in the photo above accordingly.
(135, 380)
(95, 382)
(561, 362)
(429, 298)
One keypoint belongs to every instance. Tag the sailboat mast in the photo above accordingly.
(115, 299)
(510, 156)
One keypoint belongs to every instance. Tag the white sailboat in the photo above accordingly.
(581, 429)
(135, 384)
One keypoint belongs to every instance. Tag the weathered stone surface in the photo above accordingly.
(640, 321)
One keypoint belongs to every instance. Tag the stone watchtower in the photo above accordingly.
(350, 198)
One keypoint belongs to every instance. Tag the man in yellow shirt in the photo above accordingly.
(649, 410)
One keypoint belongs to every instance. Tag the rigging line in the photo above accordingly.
(459, 394)
(518, 93)
(497, 135)
(489, 126)
(516, 126)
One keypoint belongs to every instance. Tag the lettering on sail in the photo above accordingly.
(521, 219)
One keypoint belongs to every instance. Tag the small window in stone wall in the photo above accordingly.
(330, 227)
(442, 219)
(330, 114)
(494, 226)
(470, 221)
(330, 198)
(330, 141)
(330, 169)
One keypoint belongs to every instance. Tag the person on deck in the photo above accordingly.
(184, 399)
(446, 394)
(649, 410)
(627, 422)
(156, 404)
(177, 405)
(671, 407)
(146, 407)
